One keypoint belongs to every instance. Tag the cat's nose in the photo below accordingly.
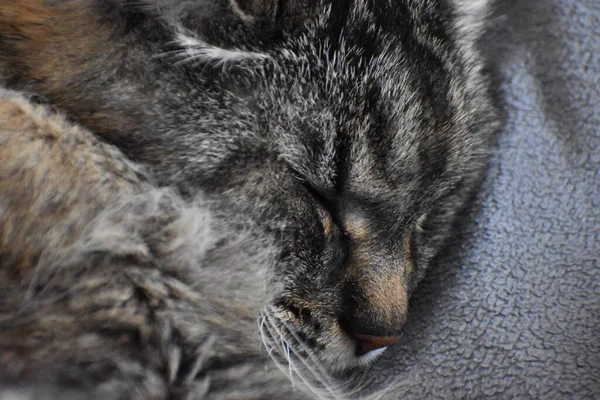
(372, 333)
(367, 343)
(375, 313)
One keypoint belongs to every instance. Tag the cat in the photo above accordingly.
(207, 175)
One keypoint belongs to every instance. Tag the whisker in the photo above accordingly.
(278, 335)
(331, 380)
(272, 330)
(309, 351)
(266, 341)
(286, 351)
(310, 368)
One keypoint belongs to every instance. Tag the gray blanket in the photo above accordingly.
(513, 309)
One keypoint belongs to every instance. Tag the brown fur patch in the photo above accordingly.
(49, 35)
(381, 285)
(60, 49)
(20, 14)
(388, 298)
(54, 178)
(327, 225)
(357, 229)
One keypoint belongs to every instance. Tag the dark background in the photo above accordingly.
(512, 310)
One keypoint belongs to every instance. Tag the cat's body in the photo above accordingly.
(331, 144)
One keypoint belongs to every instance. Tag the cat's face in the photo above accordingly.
(365, 132)
(352, 137)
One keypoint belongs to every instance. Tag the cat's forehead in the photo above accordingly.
(358, 98)
(368, 107)
(373, 105)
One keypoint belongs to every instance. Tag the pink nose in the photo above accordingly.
(368, 343)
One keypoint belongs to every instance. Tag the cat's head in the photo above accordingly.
(357, 131)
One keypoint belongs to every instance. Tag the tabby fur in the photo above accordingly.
(225, 173)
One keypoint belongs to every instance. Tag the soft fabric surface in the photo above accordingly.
(513, 311)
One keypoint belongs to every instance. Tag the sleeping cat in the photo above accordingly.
(214, 163)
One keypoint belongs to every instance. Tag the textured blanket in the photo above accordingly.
(513, 311)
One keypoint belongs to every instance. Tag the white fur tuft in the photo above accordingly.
(197, 50)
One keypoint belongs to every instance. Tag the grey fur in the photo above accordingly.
(319, 156)
(160, 289)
